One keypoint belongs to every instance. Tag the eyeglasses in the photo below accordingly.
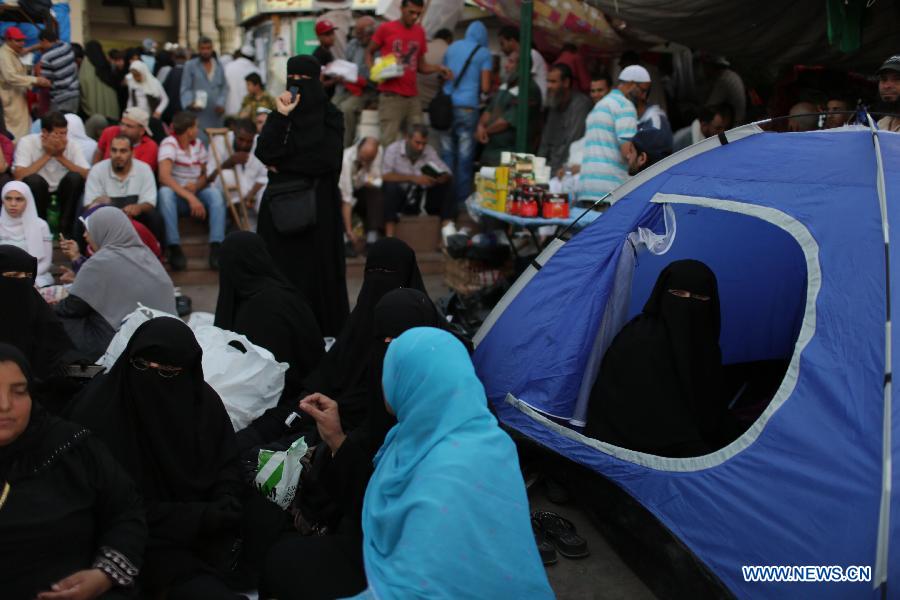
(687, 294)
(163, 371)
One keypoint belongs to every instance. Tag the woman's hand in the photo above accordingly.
(69, 249)
(284, 104)
(325, 412)
(83, 585)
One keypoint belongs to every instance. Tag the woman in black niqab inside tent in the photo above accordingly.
(342, 372)
(659, 387)
(170, 431)
(307, 143)
(256, 300)
(26, 321)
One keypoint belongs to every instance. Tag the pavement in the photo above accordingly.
(600, 576)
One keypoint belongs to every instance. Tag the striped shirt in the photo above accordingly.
(612, 122)
(187, 165)
(58, 65)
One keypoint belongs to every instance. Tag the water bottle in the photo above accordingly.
(53, 215)
(568, 184)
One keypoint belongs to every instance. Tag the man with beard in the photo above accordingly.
(648, 146)
(204, 89)
(134, 125)
(568, 109)
(252, 176)
(497, 125)
(412, 169)
(610, 127)
(127, 183)
(889, 91)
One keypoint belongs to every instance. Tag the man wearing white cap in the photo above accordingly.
(135, 124)
(610, 127)
(235, 74)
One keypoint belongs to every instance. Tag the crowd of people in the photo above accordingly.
(141, 468)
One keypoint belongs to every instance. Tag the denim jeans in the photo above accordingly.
(171, 206)
(458, 150)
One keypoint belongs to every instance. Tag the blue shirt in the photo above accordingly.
(467, 90)
(612, 123)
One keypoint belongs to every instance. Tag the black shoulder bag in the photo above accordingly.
(440, 109)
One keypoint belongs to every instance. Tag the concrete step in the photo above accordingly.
(422, 233)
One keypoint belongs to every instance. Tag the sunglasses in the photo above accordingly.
(164, 371)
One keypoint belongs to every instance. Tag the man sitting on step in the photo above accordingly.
(184, 189)
(126, 183)
(412, 169)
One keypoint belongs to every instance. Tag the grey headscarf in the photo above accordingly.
(123, 272)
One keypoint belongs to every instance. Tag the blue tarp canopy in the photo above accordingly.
(794, 225)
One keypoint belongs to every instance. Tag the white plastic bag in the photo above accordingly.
(199, 318)
(278, 473)
(137, 318)
(249, 382)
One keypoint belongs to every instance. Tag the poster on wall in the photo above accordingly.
(281, 51)
(306, 41)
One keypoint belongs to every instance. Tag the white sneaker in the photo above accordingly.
(448, 230)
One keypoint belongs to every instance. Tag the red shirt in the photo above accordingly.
(145, 152)
(408, 45)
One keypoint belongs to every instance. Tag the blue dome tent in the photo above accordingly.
(797, 228)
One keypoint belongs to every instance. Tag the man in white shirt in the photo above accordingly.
(51, 166)
(252, 176)
(126, 183)
(509, 43)
(361, 182)
(235, 75)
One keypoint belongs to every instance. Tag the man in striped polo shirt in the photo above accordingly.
(58, 65)
(610, 127)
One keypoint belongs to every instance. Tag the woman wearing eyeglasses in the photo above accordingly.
(170, 431)
(659, 388)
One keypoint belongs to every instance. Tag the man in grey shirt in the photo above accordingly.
(568, 111)
(127, 183)
(352, 96)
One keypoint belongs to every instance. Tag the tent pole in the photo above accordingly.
(880, 576)
(524, 76)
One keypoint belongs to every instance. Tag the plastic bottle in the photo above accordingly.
(53, 214)
(568, 184)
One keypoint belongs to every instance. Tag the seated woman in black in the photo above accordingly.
(29, 324)
(256, 300)
(330, 566)
(659, 387)
(342, 373)
(71, 521)
(170, 431)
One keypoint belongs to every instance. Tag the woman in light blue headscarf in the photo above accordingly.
(445, 513)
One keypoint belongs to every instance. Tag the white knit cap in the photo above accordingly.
(635, 73)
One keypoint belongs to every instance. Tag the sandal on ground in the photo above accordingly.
(561, 532)
(545, 548)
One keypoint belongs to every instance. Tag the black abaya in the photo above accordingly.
(173, 435)
(256, 300)
(64, 486)
(659, 385)
(308, 144)
(28, 323)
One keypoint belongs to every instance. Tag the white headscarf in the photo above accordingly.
(78, 135)
(150, 84)
(27, 226)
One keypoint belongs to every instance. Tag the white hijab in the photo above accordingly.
(27, 226)
(150, 84)
(78, 135)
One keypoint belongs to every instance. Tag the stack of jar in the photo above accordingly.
(529, 200)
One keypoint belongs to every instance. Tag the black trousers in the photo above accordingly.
(370, 205)
(153, 221)
(438, 200)
(314, 568)
(69, 193)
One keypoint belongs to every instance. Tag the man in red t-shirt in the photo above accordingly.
(399, 106)
(134, 124)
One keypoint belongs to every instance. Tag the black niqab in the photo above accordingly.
(256, 300)
(659, 385)
(171, 434)
(342, 374)
(28, 323)
(94, 52)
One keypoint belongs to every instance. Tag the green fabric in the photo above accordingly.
(96, 96)
(845, 23)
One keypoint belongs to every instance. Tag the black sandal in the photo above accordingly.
(545, 548)
(561, 532)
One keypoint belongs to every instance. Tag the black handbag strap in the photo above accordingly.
(465, 66)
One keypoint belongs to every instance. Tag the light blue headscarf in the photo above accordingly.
(446, 513)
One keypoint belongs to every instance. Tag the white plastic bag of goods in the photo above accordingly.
(199, 319)
(141, 315)
(247, 377)
(278, 473)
